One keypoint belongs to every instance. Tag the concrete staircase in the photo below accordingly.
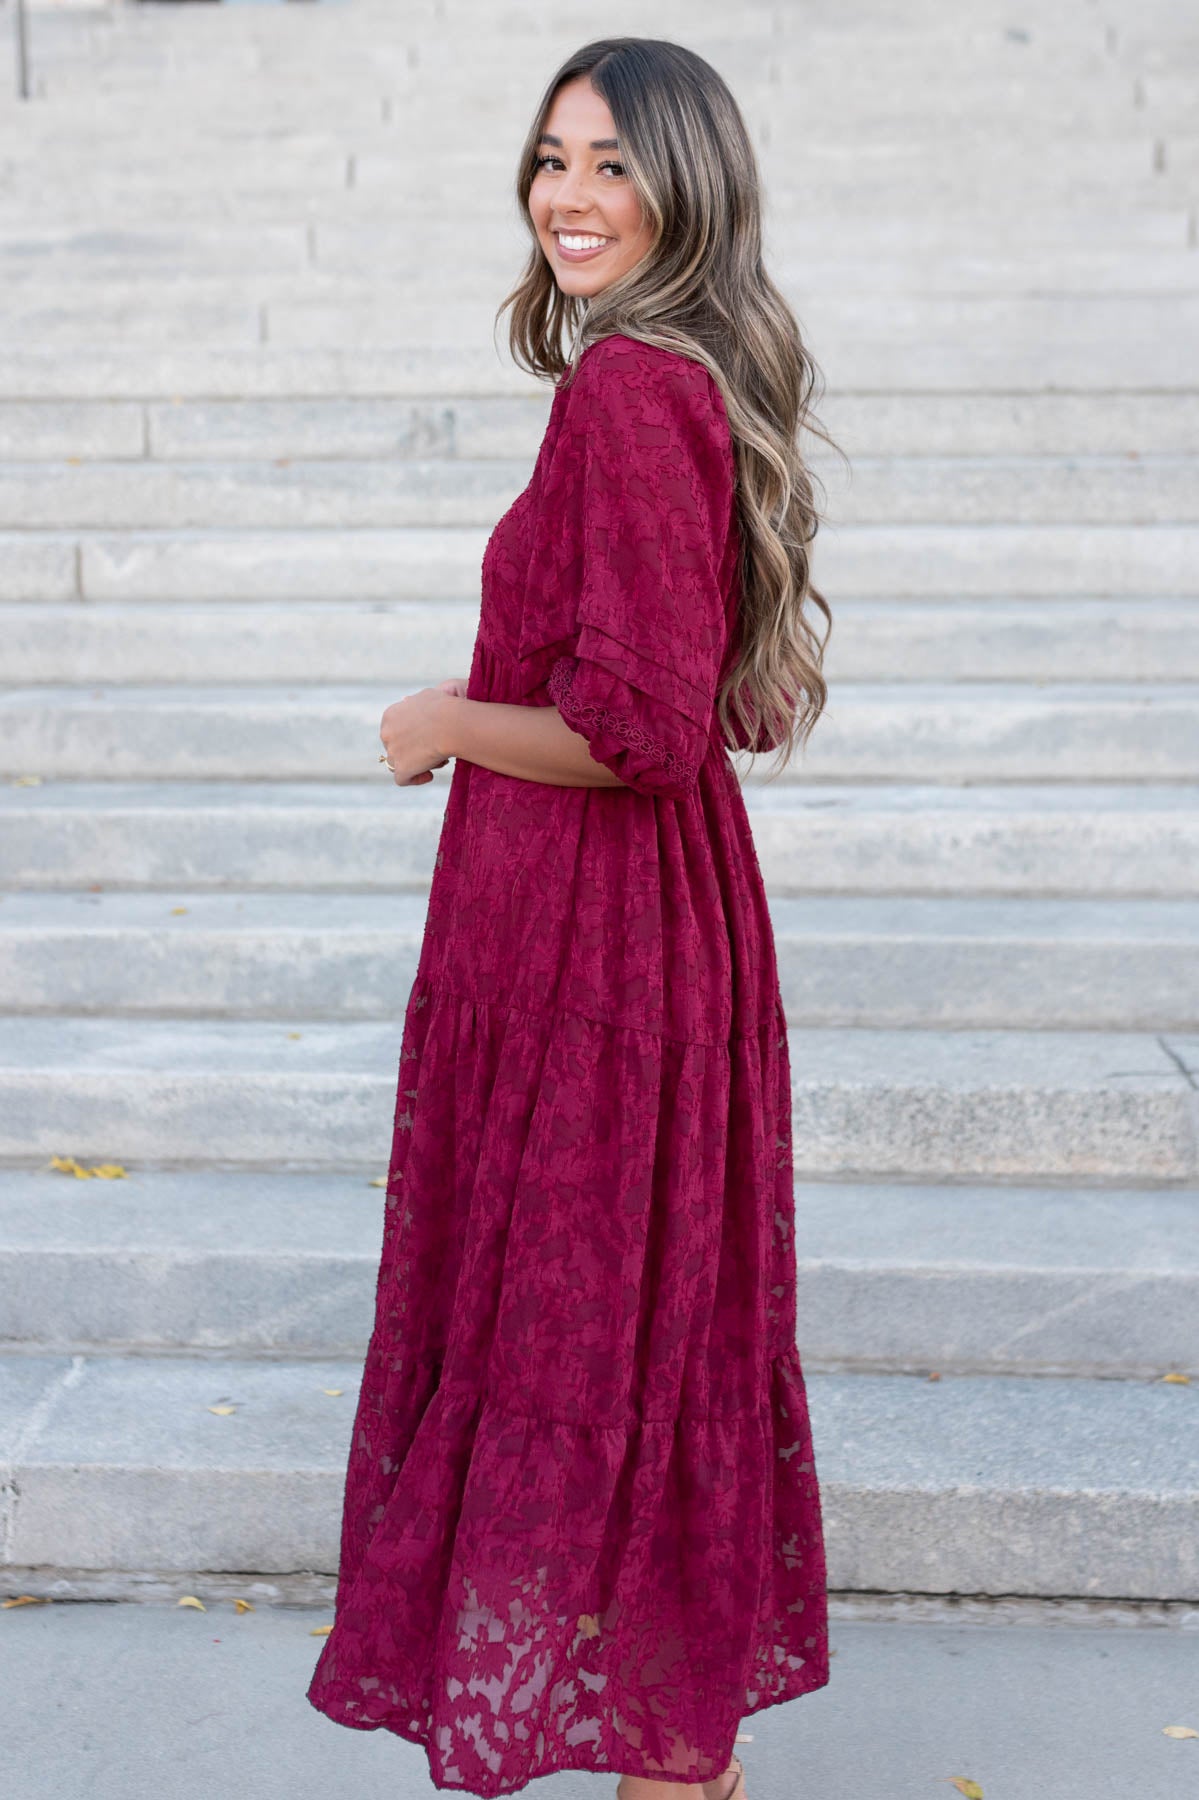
(252, 438)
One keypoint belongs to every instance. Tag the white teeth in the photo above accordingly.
(580, 243)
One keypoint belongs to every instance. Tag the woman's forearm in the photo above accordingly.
(532, 742)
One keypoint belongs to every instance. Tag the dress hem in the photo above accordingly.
(414, 1734)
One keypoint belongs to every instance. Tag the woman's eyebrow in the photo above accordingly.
(595, 144)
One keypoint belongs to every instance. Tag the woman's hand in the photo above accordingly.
(412, 732)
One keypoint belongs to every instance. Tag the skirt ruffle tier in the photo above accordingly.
(582, 1522)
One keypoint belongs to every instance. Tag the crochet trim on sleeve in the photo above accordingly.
(618, 724)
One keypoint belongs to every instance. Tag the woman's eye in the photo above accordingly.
(543, 162)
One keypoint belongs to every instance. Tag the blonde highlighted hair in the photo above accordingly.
(702, 290)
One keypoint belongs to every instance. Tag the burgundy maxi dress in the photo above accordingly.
(582, 1525)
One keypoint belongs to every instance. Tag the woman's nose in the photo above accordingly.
(572, 194)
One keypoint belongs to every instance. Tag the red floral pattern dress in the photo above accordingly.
(582, 1524)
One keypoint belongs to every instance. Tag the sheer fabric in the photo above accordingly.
(582, 1523)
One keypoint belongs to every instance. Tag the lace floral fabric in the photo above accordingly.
(582, 1523)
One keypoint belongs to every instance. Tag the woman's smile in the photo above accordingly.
(580, 246)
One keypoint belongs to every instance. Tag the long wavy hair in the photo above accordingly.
(701, 290)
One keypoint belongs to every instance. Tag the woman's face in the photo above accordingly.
(584, 206)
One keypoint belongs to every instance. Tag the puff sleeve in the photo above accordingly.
(653, 512)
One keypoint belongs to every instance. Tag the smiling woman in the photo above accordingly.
(582, 1526)
(587, 213)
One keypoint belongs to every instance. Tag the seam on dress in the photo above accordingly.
(477, 1397)
(651, 662)
(737, 1034)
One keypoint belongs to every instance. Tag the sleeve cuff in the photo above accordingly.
(644, 740)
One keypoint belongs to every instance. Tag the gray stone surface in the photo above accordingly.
(343, 492)
(907, 1705)
(966, 1484)
(891, 1276)
(211, 371)
(874, 641)
(858, 562)
(907, 731)
(409, 564)
(242, 369)
(37, 567)
(844, 960)
(453, 420)
(310, 1093)
(1021, 839)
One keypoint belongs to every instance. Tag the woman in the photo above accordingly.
(582, 1524)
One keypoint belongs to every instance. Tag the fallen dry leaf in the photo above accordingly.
(27, 781)
(190, 1600)
(295, 1034)
(589, 1625)
(243, 1606)
(964, 1785)
(27, 1600)
(377, 1181)
(934, 1375)
(176, 910)
(1175, 1375)
(333, 1391)
(1180, 1731)
(67, 1165)
(320, 1631)
(223, 1410)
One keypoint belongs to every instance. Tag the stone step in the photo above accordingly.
(1000, 341)
(342, 493)
(878, 100)
(217, 316)
(1114, 1107)
(1074, 49)
(970, 1484)
(1097, 410)
(155, 156)
(897, 731)
(181, 268)
(269, 277)
(919, 562)
(1013, 427)
(172, 372)
(833, 215)
(757, 59)
(875, 641)
(876, 113)
(1031, 839)
(981, 963)
(947, 341)
(1130, 159)
(252, 260)
(970, 1279)
(1015, 1279)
